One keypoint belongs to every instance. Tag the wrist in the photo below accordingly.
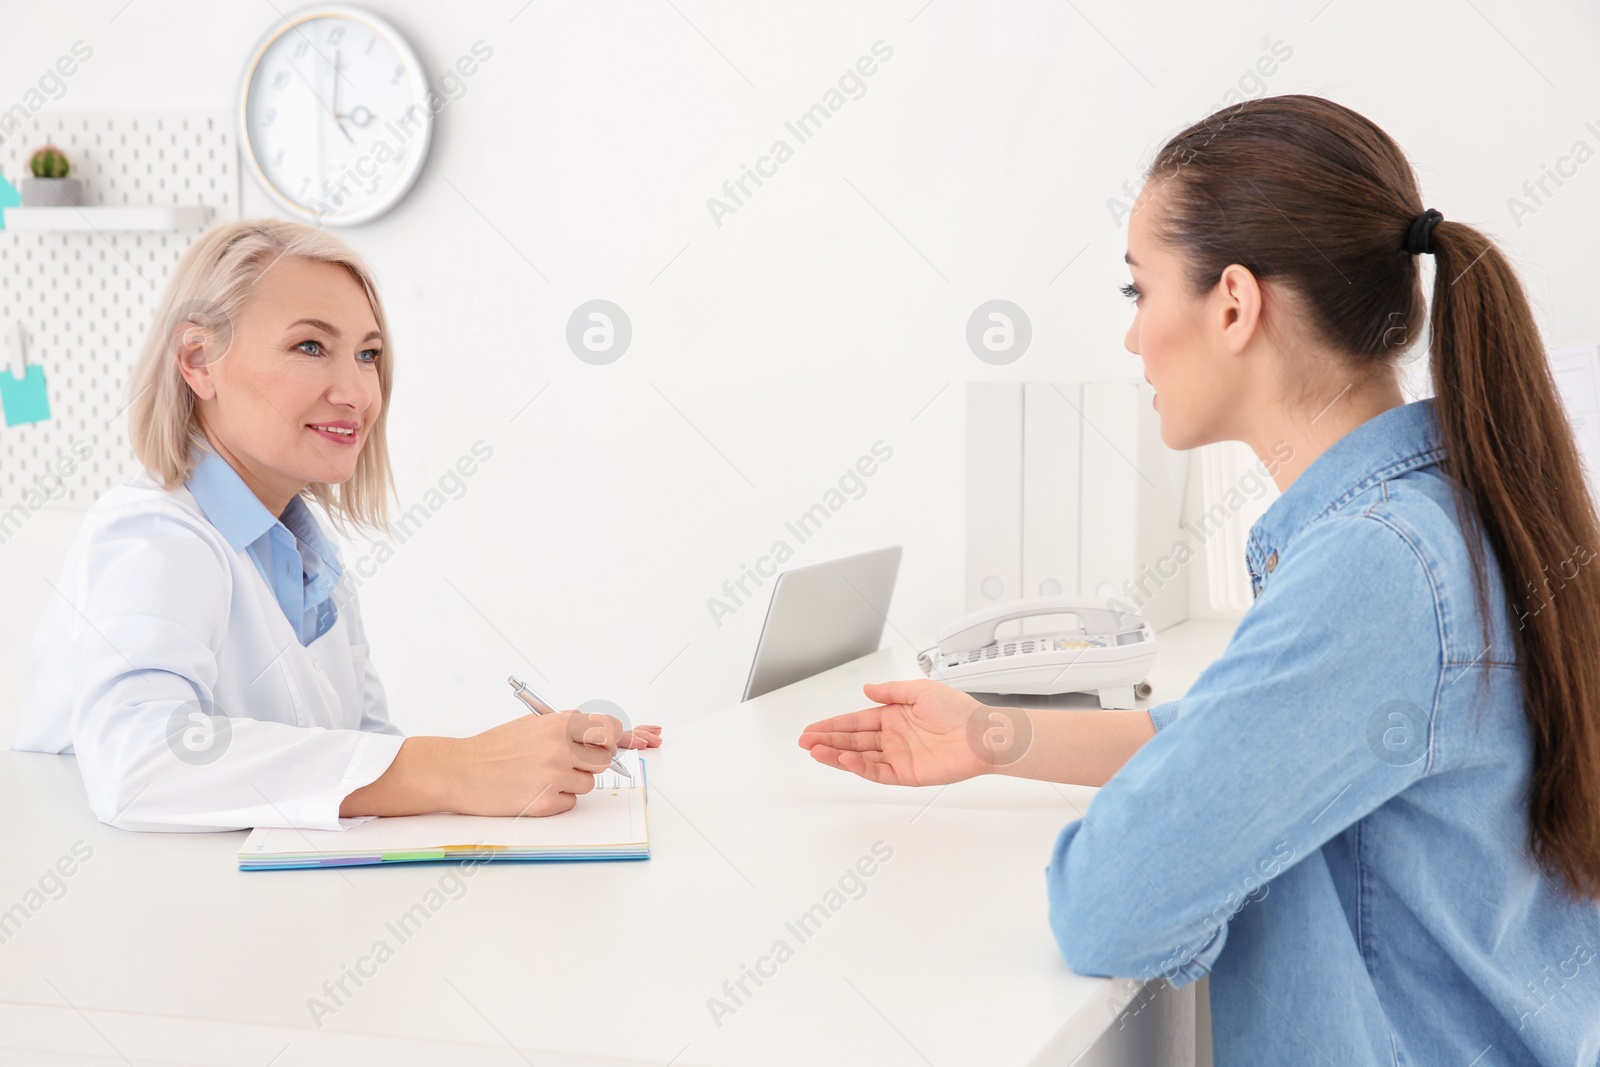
(1028, 728)
(430, 773)
(448, 758)
(1001, 738)
(1079, 747)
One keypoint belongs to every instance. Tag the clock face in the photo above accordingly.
(335, 116)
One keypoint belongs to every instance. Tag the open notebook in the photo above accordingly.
(606, 824)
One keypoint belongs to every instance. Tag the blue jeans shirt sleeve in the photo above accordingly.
(1320, 710)
(1162, 715)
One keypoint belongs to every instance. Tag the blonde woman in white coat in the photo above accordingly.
(205, 657)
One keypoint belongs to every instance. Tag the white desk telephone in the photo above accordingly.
(1108, 654)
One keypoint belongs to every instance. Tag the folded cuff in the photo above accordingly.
(1162, 715)
(373, 755)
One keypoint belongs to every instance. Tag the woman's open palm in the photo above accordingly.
(917, 736)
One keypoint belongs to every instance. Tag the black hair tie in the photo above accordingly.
(1419, 239)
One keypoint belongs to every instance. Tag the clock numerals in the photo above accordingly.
(269, 116)
(280, 79)
(399, 72)
(336, 35)
(277, 160)
(302, 48)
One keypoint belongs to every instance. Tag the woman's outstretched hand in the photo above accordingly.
(923, 733)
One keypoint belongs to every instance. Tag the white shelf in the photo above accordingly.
(103, 219)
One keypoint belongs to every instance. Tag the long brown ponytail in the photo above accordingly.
(1300, 189)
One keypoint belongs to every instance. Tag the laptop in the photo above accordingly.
(821, 616)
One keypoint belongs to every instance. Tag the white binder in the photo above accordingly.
(1070, 492)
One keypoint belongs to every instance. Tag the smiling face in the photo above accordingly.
(1195, 349)
(296, 394)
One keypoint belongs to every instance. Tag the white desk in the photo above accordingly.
(161, 951)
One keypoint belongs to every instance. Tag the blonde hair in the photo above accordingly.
(209, 289)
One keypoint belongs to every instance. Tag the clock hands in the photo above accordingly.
(337, 57)
(361, 115)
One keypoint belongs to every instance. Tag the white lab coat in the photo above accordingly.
(157, 622)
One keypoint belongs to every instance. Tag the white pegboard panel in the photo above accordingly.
(86, 300)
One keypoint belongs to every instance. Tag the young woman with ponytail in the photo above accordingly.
(1375, 821)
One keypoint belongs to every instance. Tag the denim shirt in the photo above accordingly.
(1332, 821)
(292, 554)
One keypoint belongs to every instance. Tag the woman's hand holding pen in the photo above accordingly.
(532, 765)
(540, 764)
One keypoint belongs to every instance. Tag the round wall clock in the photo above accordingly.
(334, 115)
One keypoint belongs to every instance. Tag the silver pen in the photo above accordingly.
(538, 706)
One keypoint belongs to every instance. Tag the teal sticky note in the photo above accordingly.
(25, 399)
(9, 197)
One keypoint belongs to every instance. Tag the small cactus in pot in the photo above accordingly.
(49, 162)
(50, 186)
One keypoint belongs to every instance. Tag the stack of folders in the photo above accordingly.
(605, 824)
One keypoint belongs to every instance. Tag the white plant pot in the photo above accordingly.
(52, 192)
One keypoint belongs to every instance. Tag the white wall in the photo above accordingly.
(826, 314)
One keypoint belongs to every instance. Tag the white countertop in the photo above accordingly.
(161, 949)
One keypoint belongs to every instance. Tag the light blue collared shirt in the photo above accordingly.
(1333, 820)
(296, 560)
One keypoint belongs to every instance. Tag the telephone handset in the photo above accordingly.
(1109, 653)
